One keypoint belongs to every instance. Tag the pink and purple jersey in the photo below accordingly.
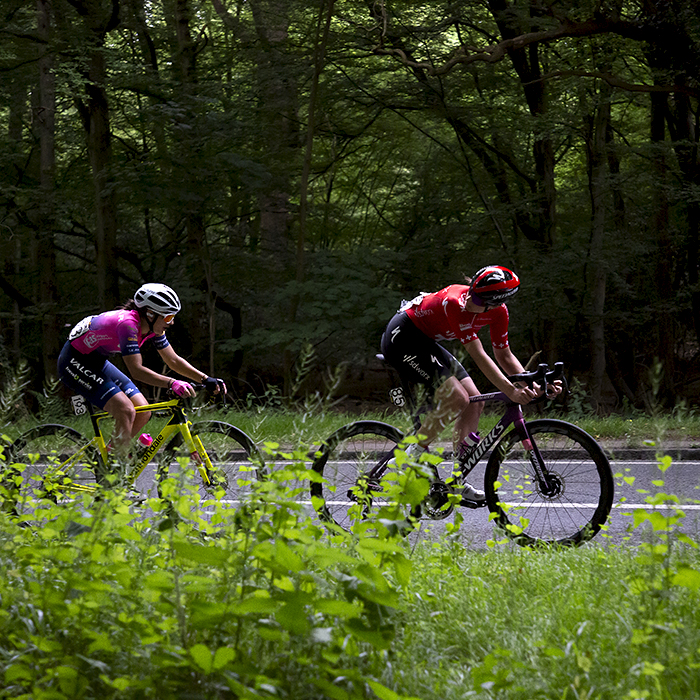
(112, 332)
(443, 316)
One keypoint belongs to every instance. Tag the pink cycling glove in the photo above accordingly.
(179, 388)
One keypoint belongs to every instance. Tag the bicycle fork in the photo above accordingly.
(548, 484)
(198, 454)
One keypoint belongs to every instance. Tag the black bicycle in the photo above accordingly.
(546, 481)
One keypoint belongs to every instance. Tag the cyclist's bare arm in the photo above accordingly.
(181, 366)
(494, 374)
(141, 373)
(511, 365)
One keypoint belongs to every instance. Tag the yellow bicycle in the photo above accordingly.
(57, 460)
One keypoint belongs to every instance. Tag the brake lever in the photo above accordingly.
(557, 374)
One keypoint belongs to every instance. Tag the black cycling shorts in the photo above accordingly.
(417, 358)
(93, 376)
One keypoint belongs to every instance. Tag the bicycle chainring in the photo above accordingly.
(437, 505)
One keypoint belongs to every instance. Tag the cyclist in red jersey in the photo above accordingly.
(458, 312)
(83, 364)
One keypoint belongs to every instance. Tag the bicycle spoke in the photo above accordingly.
(348, 491)
(569, 505)
(50, 464)
(236, 461)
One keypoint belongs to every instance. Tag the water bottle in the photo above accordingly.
(144, 442)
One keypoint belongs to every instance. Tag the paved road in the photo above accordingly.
(638, 479)
(632, 490)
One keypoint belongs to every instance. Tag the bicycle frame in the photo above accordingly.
(513, 416)
(178, 423)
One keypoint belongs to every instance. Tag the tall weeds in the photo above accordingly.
(14, 384)
(193, 598)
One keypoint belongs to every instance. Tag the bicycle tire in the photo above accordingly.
(342, 460)
(39, 453)
(237, 461)
(584, 492)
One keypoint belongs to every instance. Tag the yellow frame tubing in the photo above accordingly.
(194, 445)
(197, 452)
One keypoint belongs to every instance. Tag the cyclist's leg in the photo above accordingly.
(101, 383)
(121, 405)
(420, 360)
(452, 403)
(142, 417)
(121, 408)
(469, 414)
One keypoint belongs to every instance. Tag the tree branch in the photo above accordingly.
(14, 293)
(496, 52)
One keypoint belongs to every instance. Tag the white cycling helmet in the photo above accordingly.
(158, 298)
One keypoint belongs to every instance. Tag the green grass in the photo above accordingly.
(277, 424)
(287, 426)
(100, 599)
(522, 624)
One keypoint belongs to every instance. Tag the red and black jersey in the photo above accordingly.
(443, 316)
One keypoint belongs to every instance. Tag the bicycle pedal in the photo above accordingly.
(136, 497)
(472, 504)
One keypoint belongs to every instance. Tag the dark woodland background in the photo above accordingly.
(294, 169)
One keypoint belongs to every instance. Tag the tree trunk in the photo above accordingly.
(94, 110)
(663, 277)
(595, 271)
(44, 123)
(527, 65)
(277, 106)
(325, 14)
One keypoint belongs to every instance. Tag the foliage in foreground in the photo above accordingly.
(100, 601)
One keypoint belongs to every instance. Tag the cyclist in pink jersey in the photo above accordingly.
(458, 312)
(83, 364)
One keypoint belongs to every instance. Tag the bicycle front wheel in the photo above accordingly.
(348, 489)
(236, 460)
(45, 462)
(576, 499)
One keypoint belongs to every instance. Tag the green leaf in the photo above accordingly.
(255, 604)
(223, 657)
(160, 580)
(17, 672)
(199, 553)
(337, 608)
(382, 692)
(402, 568)
(293, 617)
(687, 577)
(202, 657)
(554, 652)
(331, 691)
(664, 462)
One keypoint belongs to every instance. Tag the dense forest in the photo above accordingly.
(295, 168)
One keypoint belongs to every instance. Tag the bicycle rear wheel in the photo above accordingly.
(346, 493)
(37, 466)
(236, 459)
(580, 493)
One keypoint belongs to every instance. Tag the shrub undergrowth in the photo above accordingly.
(189, 598)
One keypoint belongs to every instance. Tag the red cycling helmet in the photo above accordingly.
(493, 285)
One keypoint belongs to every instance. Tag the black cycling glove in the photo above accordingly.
(211, 384)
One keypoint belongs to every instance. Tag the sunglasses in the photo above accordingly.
(169, 318)
(480, 302)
